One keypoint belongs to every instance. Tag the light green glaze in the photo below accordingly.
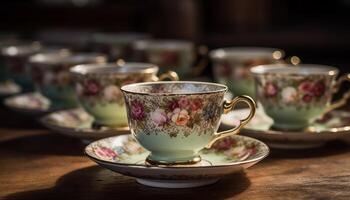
(174, 149)
(60, 97)
(239, 87)
(109, 114)
(291, 118)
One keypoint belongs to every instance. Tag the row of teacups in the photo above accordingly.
(168, 106)
(176, 55)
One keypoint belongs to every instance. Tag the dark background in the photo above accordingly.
(317, 31)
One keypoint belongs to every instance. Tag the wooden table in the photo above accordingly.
(38, 164)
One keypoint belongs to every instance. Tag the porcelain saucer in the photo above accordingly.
(77, 123)
(9, 88)
(124, 155)
(334, 125)
(29, 104)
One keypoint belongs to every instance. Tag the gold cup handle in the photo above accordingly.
(171, 75)
(341, 102)
(228, 106)
(200, 65)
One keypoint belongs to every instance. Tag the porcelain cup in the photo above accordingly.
(295, 96)
(231, 66)
(98, 88)
(15, 58)
(50, 73)
(175, 120)
(178, 55)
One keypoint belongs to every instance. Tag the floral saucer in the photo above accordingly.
(334, 125)
(124, 155)
(9, 88)
(77, 123)
(29, 103)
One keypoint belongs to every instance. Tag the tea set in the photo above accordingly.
(166, 133)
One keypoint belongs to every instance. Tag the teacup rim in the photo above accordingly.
(232, 51)
(142, 44)
(128, 67)
(125, 90)
(319, 69)
(64, 56)
(26, 48)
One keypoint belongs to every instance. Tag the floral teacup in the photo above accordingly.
(231, 66)
(175, 120)
(98, 88)
(50, 73)
(15, 58)
(296, 96)
(176, 55)
(116, 45)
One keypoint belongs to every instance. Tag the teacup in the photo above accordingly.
(116, 45)
(98, 88)
(15, 58)
(295, 96)
(175, 120)
(50, 73)
(231, 66)
(177, 55)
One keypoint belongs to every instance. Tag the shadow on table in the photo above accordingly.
(43, 144)
(11, 120)
(331, 148)
(98, 183)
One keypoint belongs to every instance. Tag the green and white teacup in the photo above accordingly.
(98, 88)
(175, 120)
(181, 56)
(51, 76)
(231, 66)
(295, 96)
(15, 58)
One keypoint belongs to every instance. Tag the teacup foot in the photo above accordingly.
(176, 183)
(190, 161)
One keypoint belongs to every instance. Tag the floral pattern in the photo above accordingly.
(55, 75)
(299, 91)
(105, 88)
(234, 148)
(174, 114)
(238, 69)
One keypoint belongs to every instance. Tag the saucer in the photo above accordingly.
(334, 125)
(124, 155)
(77, 123)
(29, 103)
(8, 88)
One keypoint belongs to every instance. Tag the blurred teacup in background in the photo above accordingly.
(74, 39)
(5, 41)
(98, 88)
(181, 56)
(116, 45)
(50, 73)
(231, 66)
(295, 96)
(15, 58)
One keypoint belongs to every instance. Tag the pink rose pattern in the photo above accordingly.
(96, 89)
(308, 90)
(58, 76)
(189, 113)
(230, 148)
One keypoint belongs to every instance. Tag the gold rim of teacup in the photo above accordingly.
(66, 57)
(114, 68)
(223, 53)
(292, 70)
(136, 85)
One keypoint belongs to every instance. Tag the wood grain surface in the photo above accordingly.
(38, 164)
